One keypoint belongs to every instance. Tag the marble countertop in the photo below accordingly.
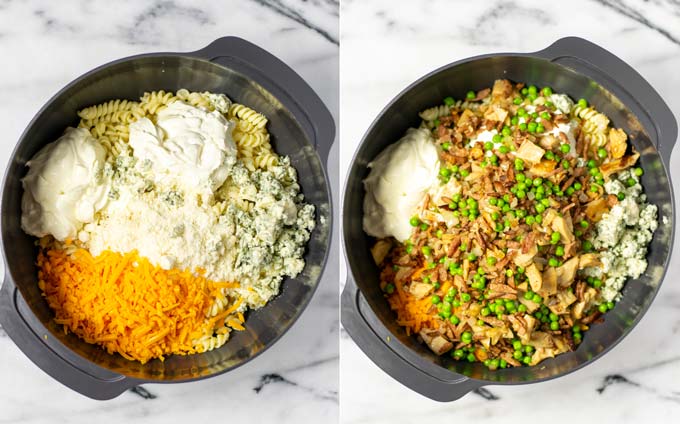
(385, 48)
(45, 45)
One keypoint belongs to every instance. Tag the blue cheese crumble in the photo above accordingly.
(622, 235)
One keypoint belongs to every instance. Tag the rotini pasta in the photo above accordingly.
(109, 122)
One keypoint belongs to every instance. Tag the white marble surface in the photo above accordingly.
(384, 48)
(46, 44)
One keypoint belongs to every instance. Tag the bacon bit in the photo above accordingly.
(569, 206)
(528, 242)
(547, 124)
(482, 94)
(612, 200)
(561, 119)
(453, 246)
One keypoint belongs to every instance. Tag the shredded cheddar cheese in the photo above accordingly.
(129, 306)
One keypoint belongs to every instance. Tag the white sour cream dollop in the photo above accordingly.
(190, 147)
(399, 179)
(64, 186)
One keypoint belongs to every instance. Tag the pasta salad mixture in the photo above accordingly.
(507, 224)
(160, 222)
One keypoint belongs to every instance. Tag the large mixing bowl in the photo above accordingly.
(301, 128)
(573, 66)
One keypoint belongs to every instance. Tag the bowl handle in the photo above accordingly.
(600, 65)
(279, 79)
(44, 353)
(377, 349)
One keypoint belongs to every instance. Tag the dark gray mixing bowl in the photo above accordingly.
(301, 128)
(573, 66)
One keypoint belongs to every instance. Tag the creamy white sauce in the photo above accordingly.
(64, 186)
(567, 129)
(400, 177)
(483, 137)
(189, 147)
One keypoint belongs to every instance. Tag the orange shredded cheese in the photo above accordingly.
(129, 306)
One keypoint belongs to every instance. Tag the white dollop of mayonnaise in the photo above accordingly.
(64, 186)
(483, 137)
(399, 179)
(190, 147)
(569, 129)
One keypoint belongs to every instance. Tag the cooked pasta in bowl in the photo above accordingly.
(166, 218)
(185, 219)
(499, 231)
(523, 237)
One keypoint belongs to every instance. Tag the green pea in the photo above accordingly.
(540, 128)
(519, 164)
(597, 283)
(435, 299)
(523, 126)
(576, 328)
(464, 173)
(458, 353)
(424, 226)
(601, 153)
(529, 295)
(602, 308)
(593, 188)
(471, 257)
(454, 320)
(517, 101)
(414, 221)
(471, 357)
(533, 89)
(578, 186)
(554, 325)
(465, 297)
(559, 251)
(530, 220)
(531, 127)
(555, 237)
(522, 308)
(539, 208)
(587, 246)
(638, 172)
(630, 182)
(549, 155)
(591, 163)
(491, 260)
(565, 148)
(446, 145)
(449, 101)
(524, 91)
(536, 298)
(553, 262)
(466, 337)
(389, 288)
(545, 115)
(547, 91)
(583, 103)
(514, 120)
(506, 132)
(610, 305)
(470, 95)
(445, 172)
(488, 145)
(621, 196)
